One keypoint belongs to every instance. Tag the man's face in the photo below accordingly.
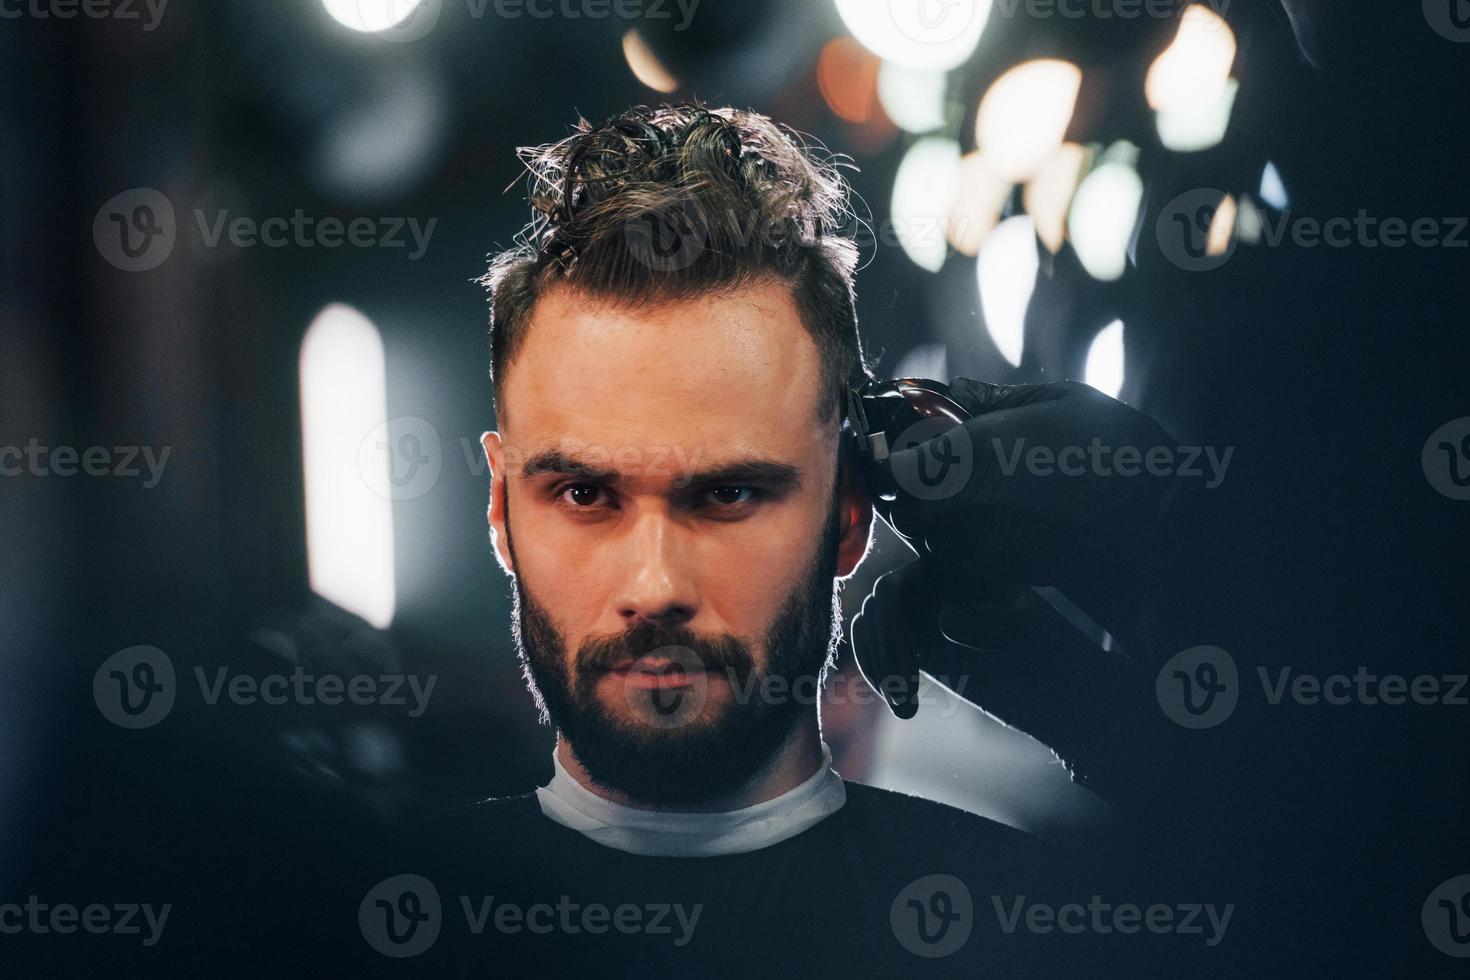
(673, 499)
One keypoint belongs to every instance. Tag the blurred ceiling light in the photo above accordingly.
(1189, 84)
(1198, 62)
(1024, 115)
(645, 64)
(913, 98)
(387, 139)
(1195, 67)
(1049, 194)
(924, 361)
(1105, 212)
(1222, 228)
(1007, 273)
(935, 35)
(1250, 222)
(977, 204)
(1105, 360)
(370, 15)
(847, 74)
(923, 198)
(1195, 127)
(349, 526)
(1273, 189)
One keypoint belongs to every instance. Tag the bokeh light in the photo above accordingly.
(923, 198)
(1007, 273)
(370, 15)
(1105, 212)
(1105, 360)
(978, 202)
(1273, 188)
(646, 66)
(847, 75)
(1048, 195)
(1192, 70)
(935, 36)
(1024, 116)
(912, 97)
(349, 526)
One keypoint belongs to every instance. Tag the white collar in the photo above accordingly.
(674, 834)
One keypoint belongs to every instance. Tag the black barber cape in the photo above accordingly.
(888, 885)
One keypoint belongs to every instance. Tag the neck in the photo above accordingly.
(792, 764)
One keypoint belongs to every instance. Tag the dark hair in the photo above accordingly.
(668, 203)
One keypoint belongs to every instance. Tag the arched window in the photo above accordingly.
(349, 516)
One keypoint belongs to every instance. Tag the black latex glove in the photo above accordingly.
(1034, 496)
(1002, 520)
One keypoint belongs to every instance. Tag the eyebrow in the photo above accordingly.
(762, 471)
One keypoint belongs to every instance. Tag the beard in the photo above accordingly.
(677, 746)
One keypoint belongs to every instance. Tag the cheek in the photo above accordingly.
(552, 562)
(747, 575)
(751, 575)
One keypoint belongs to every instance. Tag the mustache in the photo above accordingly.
(725, 652)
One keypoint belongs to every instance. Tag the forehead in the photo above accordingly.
(733, 375)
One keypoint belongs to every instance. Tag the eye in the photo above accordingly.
(580, 496)
(732, 496)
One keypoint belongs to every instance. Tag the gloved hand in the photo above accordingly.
(1046, 485)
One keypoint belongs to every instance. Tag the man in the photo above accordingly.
(673, 501)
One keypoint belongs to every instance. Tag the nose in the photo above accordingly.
(658, 586)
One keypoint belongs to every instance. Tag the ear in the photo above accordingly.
(857, 516)
(495, 453)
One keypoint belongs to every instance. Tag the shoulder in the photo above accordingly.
(506, 835)
(921, 815)
(497, 815)
(918, 832)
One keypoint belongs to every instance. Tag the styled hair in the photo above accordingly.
(670, 203)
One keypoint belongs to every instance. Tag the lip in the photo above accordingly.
(657, 674)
